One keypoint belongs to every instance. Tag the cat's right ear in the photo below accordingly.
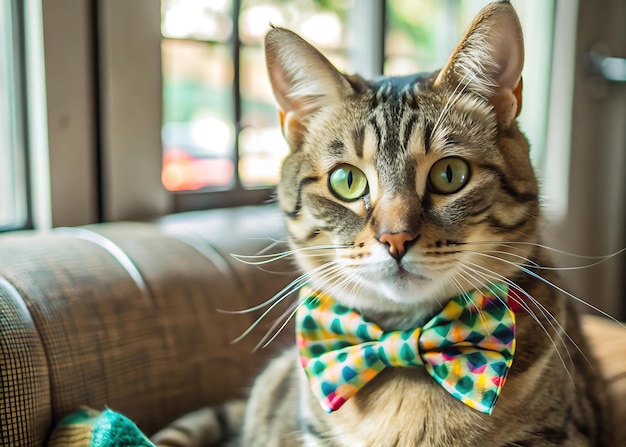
(302, 79)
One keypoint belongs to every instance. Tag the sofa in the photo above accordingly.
(139, 317)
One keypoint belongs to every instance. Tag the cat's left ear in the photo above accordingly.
(302, 79)
(489, 61)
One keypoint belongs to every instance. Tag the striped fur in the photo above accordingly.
(395, 130)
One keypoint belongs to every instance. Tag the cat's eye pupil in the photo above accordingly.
(347, 182)
(448, 175)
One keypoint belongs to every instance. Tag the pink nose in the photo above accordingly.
(396, 243)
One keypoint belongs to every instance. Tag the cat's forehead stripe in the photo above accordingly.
(428, 133)
(373, 122)
(336, 148)
(358, 137)
(408, 130)
(394, 124)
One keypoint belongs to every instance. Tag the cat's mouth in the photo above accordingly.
(403, 272)
(406, 275)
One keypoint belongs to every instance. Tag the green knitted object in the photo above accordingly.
(92, 428)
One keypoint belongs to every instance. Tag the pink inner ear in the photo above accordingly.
(518, 96)
(508, 53)
(507, 103)
(508, 50)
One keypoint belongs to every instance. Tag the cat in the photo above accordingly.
(400, 193)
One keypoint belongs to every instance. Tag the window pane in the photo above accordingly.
(261, 144)
(198, 127)
(417, 36)
(13, 196)
(197, 19)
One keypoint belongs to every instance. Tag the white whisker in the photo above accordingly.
(285, 291)
(284, 318)
(289, 314)
(558, 330)
(274, 243)
(602, 258)
(529, 311)
(269, 258)
(468, 299)
(530, 262)
(551, 284)
(293, 286)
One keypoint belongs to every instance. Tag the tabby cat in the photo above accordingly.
(399, 194)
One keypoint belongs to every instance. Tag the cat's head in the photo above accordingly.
(404, 191)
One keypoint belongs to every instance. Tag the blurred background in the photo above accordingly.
(115, 109)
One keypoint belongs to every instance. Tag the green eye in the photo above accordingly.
(448, 175)
(347, 182)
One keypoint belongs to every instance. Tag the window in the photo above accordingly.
(220, 124)
(13, 184)
(220, 127)
(198, 95)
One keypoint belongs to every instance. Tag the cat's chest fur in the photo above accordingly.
(418, 418)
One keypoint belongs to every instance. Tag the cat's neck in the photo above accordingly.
(390, 315)
(412, 317)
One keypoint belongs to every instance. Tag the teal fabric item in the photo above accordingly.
(92, 428)
(115, 429)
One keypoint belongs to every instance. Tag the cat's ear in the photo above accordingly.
(303, 80)
(489, 61)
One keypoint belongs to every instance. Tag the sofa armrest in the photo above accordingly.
(126, 315)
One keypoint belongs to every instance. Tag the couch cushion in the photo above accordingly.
(127, 315)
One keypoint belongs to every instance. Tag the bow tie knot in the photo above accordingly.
(467, 348)
(400, 348)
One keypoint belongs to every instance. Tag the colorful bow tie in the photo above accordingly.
(467, 348)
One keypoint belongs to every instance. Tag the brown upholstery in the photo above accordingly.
(126, 315)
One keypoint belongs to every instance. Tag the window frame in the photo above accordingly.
(106, 179)
(20, 128)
